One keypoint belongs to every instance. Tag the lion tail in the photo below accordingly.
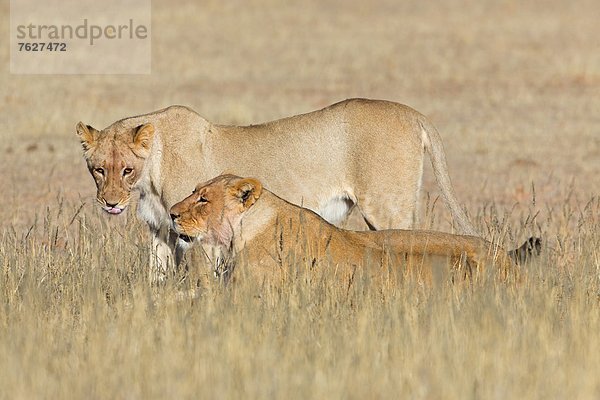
(433, 144)
(531, 248)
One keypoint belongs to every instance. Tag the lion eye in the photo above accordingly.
(127, 171)
(202, 199)
(99, 171)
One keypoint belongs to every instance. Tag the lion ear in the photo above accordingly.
(248, 190)
(87, 135)
(142, 140)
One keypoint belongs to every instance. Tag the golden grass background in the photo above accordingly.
(513, 87)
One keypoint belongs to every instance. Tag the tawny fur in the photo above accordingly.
(254, 227)
(360, 156)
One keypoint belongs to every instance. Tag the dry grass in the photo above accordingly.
(78, 320)
(513, 88)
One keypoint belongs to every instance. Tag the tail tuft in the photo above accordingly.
(531, 248)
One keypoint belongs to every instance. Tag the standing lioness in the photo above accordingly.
(363, 154)
(245, 220)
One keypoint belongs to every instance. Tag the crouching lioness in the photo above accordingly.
(245, 221)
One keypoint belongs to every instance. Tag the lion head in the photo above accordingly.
(215, 207)
(115, 160)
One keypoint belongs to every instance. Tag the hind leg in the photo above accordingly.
(354, 221)
(391, 210)
(390, 214)
(342, 211)
(389, 198)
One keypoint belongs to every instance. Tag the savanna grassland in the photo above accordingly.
(514, 89)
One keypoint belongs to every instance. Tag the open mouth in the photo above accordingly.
(186, 238)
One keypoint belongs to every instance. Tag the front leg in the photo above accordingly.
(167, 254)
(162, 256)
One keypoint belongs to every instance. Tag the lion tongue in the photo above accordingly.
(114, 210)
